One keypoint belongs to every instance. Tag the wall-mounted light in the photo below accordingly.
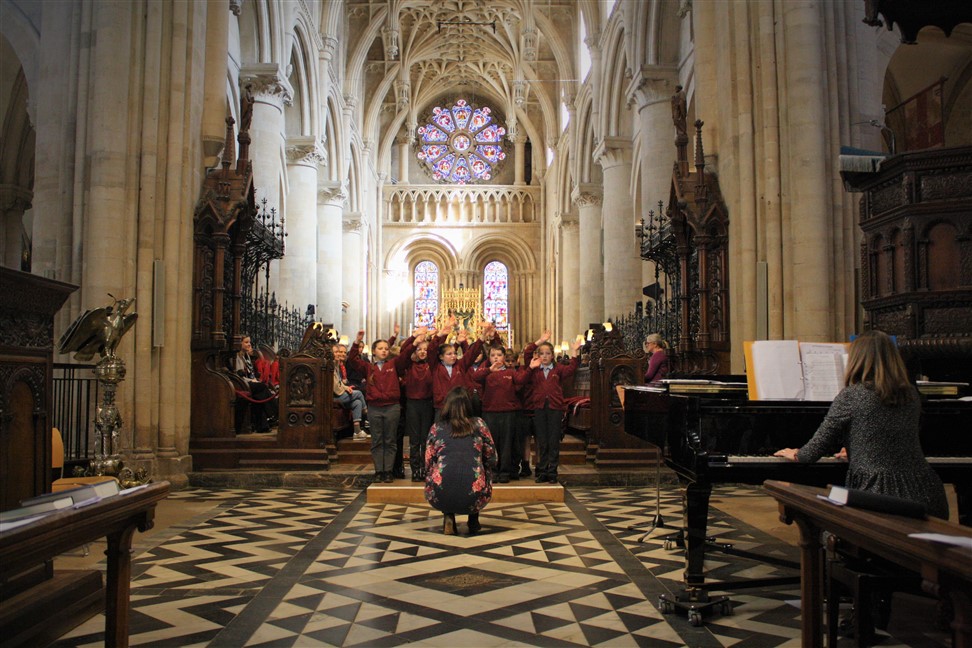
(608, 327)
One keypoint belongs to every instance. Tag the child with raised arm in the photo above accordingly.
(500, 382)
(382, 394)
(450, 372)
(547, 402)
(419, 415)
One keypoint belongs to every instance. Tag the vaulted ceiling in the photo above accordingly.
(519, 56)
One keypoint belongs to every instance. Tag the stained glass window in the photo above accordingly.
(496, 295)
(426, 293)
(461, 144)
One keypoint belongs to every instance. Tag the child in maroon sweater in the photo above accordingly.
(500, 404)
(547, 402)
(382, 394)
(449, 372)
(419, 415)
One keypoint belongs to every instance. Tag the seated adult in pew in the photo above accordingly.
(262, 398)
(346, 395)
(876, 417)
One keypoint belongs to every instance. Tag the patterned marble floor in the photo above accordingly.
(284, 567)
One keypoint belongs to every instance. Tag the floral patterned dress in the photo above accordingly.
(459, 472)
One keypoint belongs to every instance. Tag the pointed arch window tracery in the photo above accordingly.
(425, 290)
(496, 295)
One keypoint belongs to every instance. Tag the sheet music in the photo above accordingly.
(777, 370)
(823, 370)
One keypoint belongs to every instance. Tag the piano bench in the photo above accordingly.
(870, 586)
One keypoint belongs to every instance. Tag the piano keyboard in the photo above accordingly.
(728, 460)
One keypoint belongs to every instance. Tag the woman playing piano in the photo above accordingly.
(876, 418)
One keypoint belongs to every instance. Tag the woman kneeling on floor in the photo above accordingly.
(460, 458)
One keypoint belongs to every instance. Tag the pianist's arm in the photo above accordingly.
(830, 437)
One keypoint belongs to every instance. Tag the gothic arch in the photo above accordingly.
(407, 252)
(614, 105)
(508, 248)
(334, 136)
(306, 104)
(23, 38)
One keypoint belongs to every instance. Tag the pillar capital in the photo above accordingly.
(306, 150)
(268, 84)
(613, 151)
(586, 195)
(14, 198)
(352, 223)
(331, 193)
(330, 47)
(651, 84)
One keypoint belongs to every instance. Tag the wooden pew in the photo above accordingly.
(27, 617)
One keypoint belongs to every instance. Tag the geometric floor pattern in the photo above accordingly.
(322, 567)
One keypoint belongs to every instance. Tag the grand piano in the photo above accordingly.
(712, 435)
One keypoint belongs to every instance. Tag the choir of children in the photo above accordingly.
(508, 393)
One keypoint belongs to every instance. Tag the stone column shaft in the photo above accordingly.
(298, 268)
(354, 271)
(570, 277)
(810, 203)
(519, 148)
(591, 308)
(330, 253)
(622, 263)
(403, 155)
(271, 91)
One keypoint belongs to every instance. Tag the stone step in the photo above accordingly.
(407, 492)
(573, 451)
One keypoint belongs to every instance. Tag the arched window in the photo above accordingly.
(461, 144)
(425, 289)
(496, 295)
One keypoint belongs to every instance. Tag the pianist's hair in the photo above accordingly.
(874, 360)
(457, 412)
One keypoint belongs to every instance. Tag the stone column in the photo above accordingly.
(214, 100)
(298, 268)
(519, 146)
(810, 203)
(107, 211)
(330, 254)
(622, 261)
(14, 201)
(587, 197)
(651, 91)
(570, 275)
(354, 272)
(403, 154)
(271, 91)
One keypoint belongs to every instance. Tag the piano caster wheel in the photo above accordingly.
(666, 606)
(726, 608)
(669, 545)
(695, 618)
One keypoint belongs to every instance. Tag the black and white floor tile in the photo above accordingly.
(285, 567)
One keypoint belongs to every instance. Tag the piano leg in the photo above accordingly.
(696, 507)
(695, 599)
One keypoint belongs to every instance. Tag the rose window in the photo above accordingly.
(461, 144)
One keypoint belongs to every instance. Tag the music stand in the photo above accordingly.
(657, 521)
